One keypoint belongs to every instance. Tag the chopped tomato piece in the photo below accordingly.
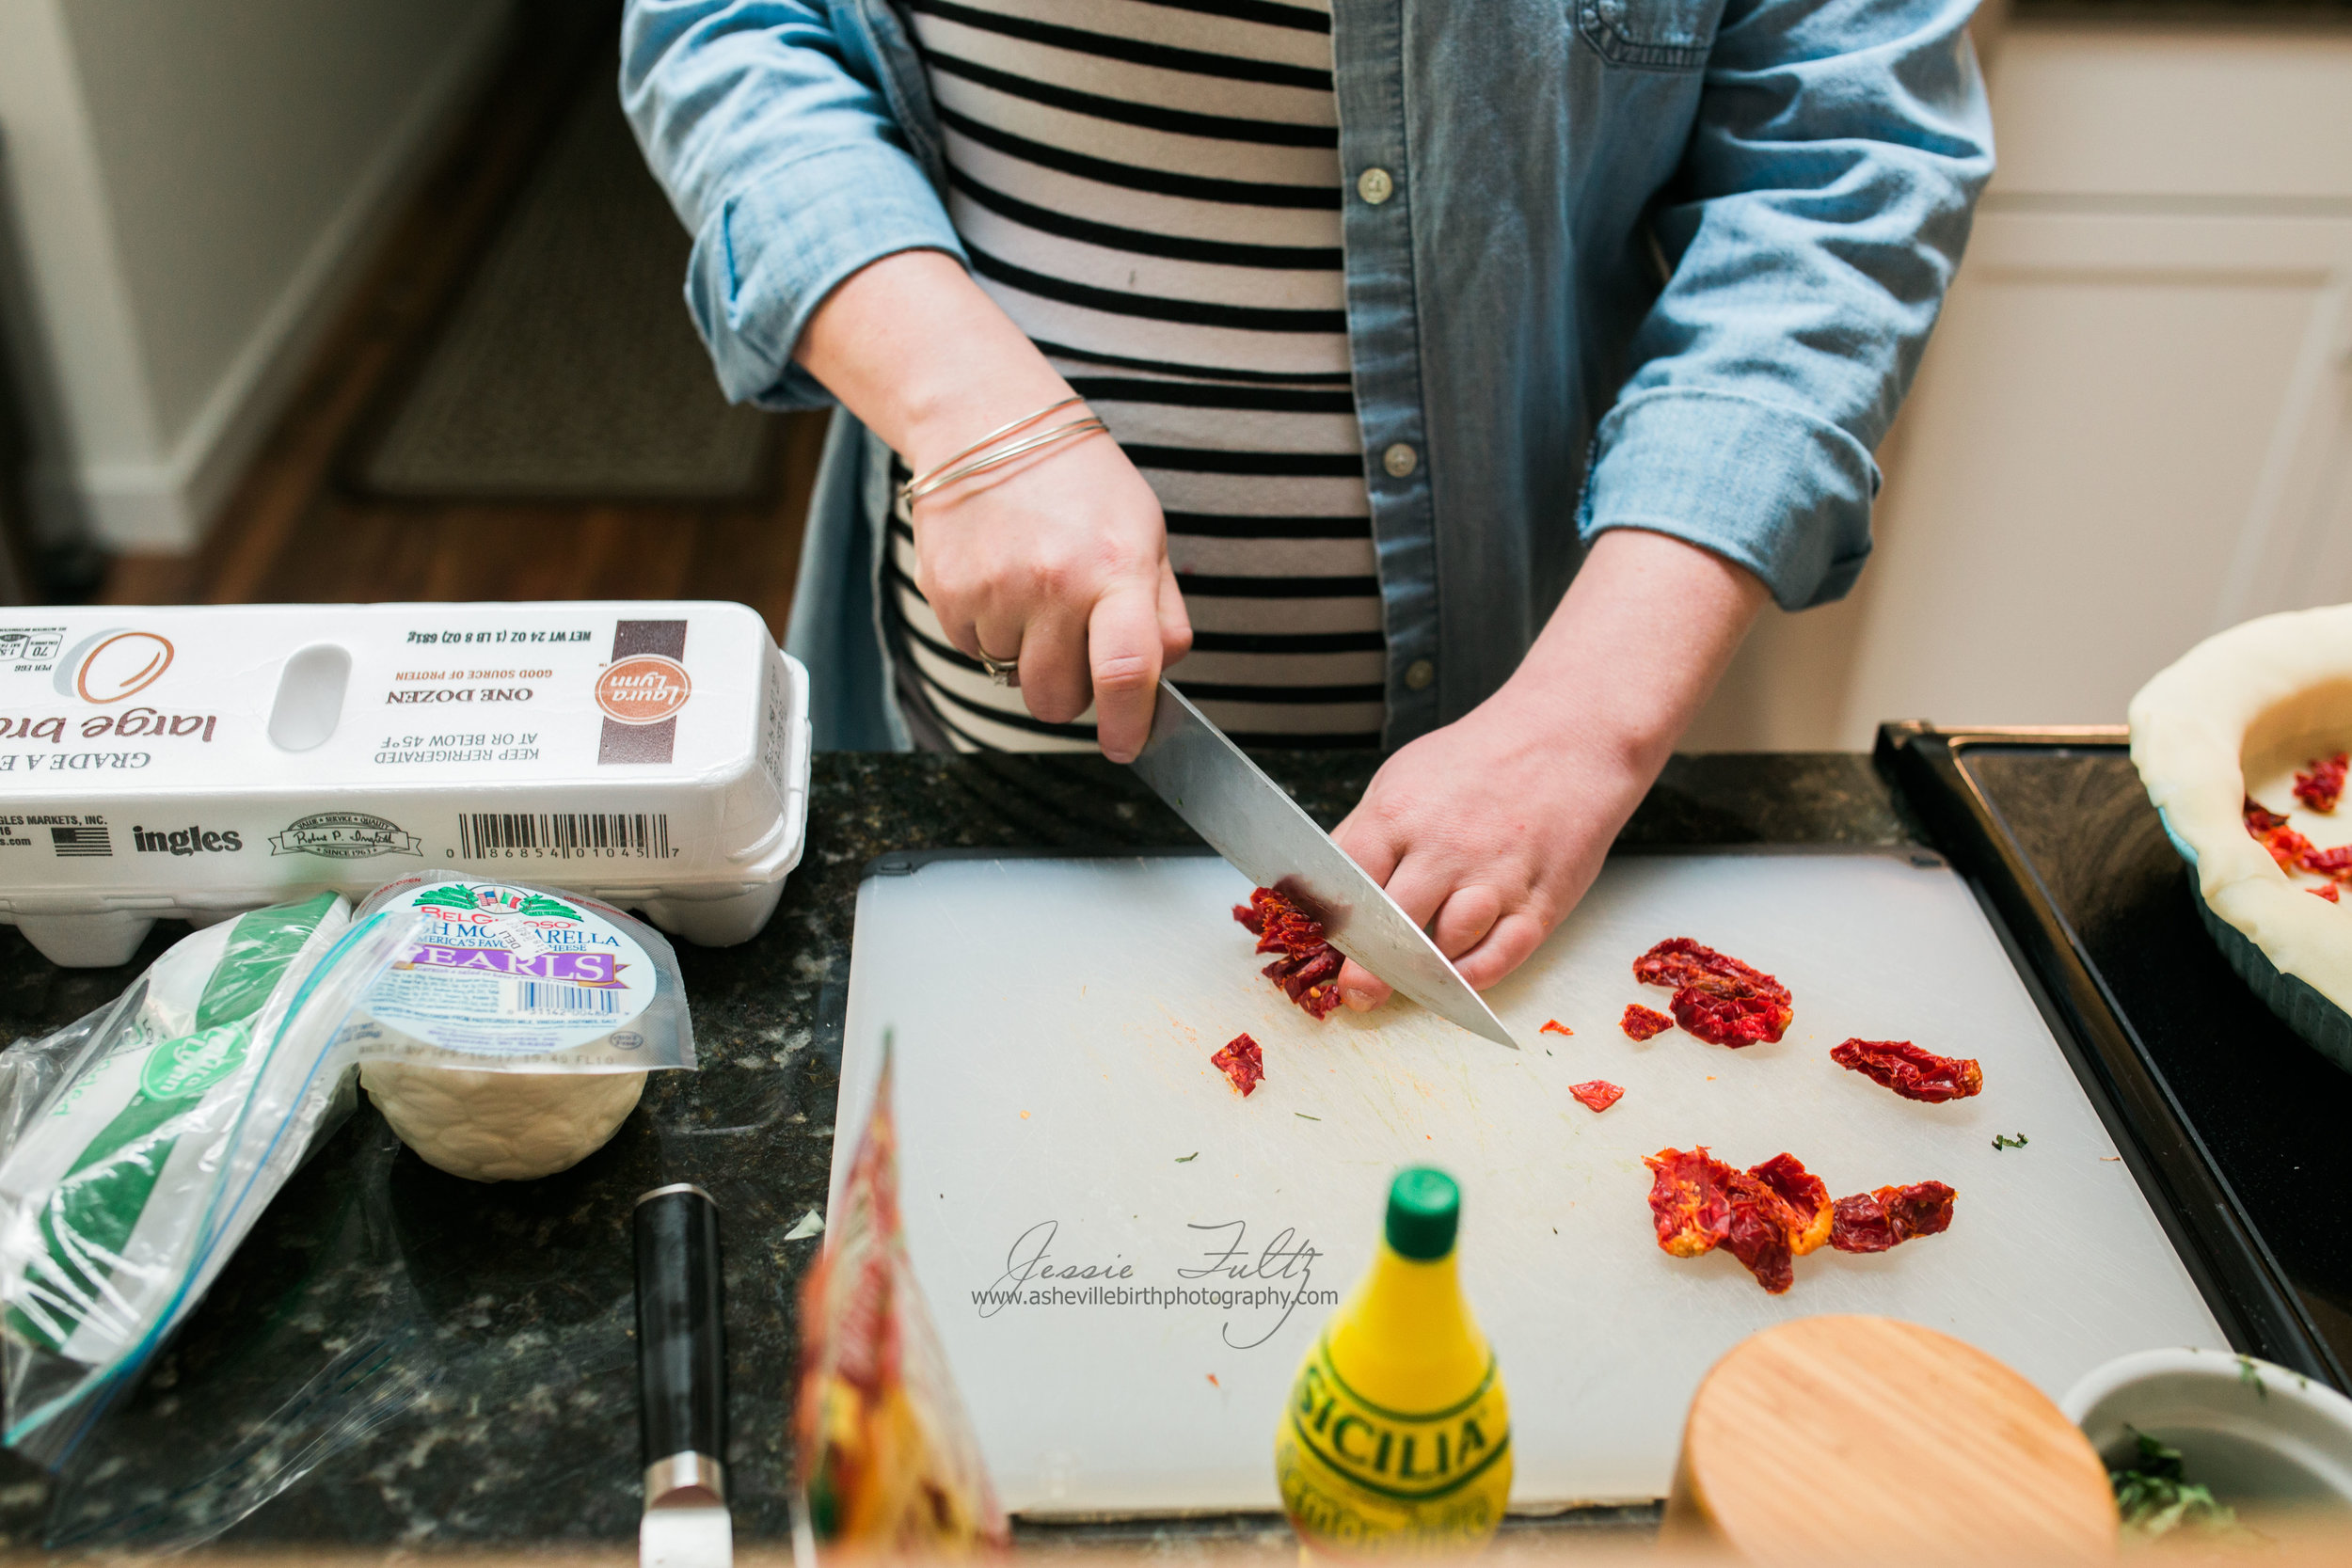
(1914, 1073)
(1886, 1218)
(1716, 996)
(2336, 863)
(2323, 786)
(1597, 1095)
(1688, 1200)
(2327, 892)
(1554, 1026)
(1242, 1062)
(1308, 968)
(2287, 847)
(1641, 1022)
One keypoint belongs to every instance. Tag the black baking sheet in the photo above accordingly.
(2235, 1123)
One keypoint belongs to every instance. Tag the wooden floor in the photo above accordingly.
(294, 532)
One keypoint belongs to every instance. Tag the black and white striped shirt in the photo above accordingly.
(1151, 192)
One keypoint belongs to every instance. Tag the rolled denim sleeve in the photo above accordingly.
(1817, 219)
(765, 123)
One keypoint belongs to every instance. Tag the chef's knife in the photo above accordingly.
(1248, 818)
(682, 1382)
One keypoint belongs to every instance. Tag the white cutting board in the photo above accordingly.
(1054, 1022)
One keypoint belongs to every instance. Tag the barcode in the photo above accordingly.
(537, 996)
(564, 835)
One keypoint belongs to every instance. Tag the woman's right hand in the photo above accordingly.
(1059, 559)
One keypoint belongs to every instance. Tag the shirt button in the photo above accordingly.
(1400, 460)
(1419, 674)
(1375, 185)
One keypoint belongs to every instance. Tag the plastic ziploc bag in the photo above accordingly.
(514, 1037)
(887, 1461)
(153, 1136)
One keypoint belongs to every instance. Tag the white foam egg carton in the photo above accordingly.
(194, 762)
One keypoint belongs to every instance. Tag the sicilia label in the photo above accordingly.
(1366, 1481)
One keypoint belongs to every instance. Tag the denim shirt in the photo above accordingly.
(1663, 265)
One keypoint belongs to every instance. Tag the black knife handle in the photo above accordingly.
(681, 1338)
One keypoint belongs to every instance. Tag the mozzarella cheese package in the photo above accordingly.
(513, 1036)
(196, 761)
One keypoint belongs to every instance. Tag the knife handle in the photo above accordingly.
(681, 1348)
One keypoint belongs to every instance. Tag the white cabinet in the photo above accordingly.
(2134, 426)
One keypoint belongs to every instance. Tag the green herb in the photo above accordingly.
(1182, 1159)
(1304, 1117)
(2002, 1140)
(2251, 1376)
(2156, 1498)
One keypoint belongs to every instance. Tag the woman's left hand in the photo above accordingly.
(1488, 830)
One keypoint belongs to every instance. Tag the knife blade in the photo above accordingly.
(682, 1382)
(1250, 820)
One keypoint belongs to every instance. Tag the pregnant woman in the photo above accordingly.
(1454, 377)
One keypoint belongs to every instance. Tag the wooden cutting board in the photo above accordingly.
(1054, 1022)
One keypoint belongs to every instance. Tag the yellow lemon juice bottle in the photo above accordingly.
(1397, 1439)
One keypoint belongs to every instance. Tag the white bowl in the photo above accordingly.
(2262, 1438)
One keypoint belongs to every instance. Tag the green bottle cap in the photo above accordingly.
(1424, 1210)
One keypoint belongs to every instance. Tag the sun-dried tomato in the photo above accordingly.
(2287, 847)
(1772, 1214)
(2335, 863)
(1914, 1073)
(1554, 1026)
(1767, 1216)
(1688, 1199)
(1308, 968)
(2291, 849)
(1922, 1208)
(1807, 1196)
(1888, 1216)
(2322, 786)
(1641, 1022)
(1860, 1224)
(1716, 996)
(1760, 1232)
(1242, 1062)
(1597, 1095)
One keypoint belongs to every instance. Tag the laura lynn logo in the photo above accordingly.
(644, 688)
(108, 666)
(1262, 1285)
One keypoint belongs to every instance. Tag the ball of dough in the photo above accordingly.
(500, 1126)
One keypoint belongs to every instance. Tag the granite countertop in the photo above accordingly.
(396, 1356)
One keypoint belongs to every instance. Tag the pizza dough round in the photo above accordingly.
(500, 1126)
(2240, 709)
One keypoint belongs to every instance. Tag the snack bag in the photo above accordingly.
(514, 1037)
(886, 1458)
(138, 1145)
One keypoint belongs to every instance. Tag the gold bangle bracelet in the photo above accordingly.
(915, 489)
(920, 483)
